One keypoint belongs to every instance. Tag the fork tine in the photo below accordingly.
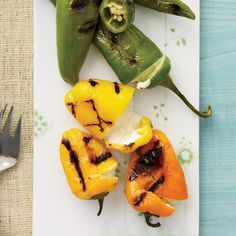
(16, 140)
(4, 109)
(7, 125)
(2, 112)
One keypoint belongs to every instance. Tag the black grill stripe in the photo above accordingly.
(139, 199)
(157, 184)
(101, 158)
(75, 160)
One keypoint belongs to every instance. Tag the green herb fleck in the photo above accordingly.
(183, 41)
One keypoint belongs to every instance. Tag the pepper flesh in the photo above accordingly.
(155, 177)
(99, 106)
(89, 167)
(129, 59)
(175, 7)
(76, 22)
(133, 63)
(117, 15)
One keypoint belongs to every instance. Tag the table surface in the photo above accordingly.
(218, 139)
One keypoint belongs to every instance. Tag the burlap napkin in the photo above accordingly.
(16, 86)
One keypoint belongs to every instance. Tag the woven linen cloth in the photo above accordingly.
(16, 88)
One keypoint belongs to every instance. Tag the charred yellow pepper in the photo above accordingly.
(103, 107)
(88, 165)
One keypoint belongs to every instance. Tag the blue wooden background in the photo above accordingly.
(218, 134)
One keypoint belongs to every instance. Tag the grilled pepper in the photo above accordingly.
(175, 7)
(88, 165)
(117, 15)
(104, 108)
(53, 2)
(76, 22)
(155, 178)
(133, 63)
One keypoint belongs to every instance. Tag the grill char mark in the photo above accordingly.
(87, 27)
(72, 104)
(112, 40)
(78, 5)
(130, 145)
(133, 176)
(157, 184)
(66, 143)
(101, 158)
(75, 161)
(93, 83)
(100, 120)
(153, 154)
(175, 9)
(139, 199)
(117, 87)
(154, 161)
(86, 140)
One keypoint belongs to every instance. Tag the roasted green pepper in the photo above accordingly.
(132, 62)
(76, 23)
(53, 2)
(129, 59)
(175, 7)
(117, 15)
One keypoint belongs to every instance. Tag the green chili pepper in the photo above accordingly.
(53, 2)
(132, 62)
(129, 59)
(76, 23)
(175, 7)
(117, 15)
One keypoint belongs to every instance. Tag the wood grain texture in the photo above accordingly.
(218, 134)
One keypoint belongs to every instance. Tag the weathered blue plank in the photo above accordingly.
(218, 135)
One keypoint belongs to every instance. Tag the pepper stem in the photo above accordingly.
(168, 83)
(100, 198)
(149, 223)
(100, 202)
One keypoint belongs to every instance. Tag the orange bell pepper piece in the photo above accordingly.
(155, 178)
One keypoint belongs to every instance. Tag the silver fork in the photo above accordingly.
(9, 145)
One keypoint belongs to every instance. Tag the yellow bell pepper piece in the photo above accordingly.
(88, 165)
(102, 107)
(97, 104)
(143, 130)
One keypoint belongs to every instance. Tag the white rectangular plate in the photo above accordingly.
(56, 211)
